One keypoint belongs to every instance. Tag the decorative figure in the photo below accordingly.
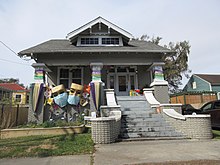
(60, 95)
(75, 94)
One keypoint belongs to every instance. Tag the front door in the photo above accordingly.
(122, 80)
(122, 85)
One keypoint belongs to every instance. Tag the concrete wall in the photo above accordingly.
(194, 127)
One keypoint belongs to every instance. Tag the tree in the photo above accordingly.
(176, 64)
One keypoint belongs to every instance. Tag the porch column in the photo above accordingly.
(96, 71)
(96, 88)
(159, 84)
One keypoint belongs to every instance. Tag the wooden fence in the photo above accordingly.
(11, 116)
(193, 97)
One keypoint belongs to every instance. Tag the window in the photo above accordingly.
(76, 76)
(217, 105)
(194, 85)
(70, 75)
(89, 41)
(17, 98)
(207, 107)
(110, 41)
(64, 77)
(99, 41)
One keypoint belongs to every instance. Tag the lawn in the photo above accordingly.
(216, 134)
(43, 146)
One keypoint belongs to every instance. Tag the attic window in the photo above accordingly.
(194, 85)
(89, 41)
(110, 41)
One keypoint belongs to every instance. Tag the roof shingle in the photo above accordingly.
(214, 79)
(65, 46)
(12, 86)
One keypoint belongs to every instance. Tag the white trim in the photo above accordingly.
(218, 95)
(95, 21)
(99, 41)
(115, 74)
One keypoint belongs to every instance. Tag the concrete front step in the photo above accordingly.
(145, 129)
(143, 124)
(139, 120)
(131, 98)
(152, 138)
(150, 134)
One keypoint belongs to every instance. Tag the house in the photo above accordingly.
(14, 92)
(124, 64)
(203, 82)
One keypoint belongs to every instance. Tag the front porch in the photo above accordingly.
(122, 78)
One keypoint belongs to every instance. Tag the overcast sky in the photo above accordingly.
(26, 23)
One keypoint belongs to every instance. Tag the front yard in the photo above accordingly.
(42, 146)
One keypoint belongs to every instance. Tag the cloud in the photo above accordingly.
(26, 23)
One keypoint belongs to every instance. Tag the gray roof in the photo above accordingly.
(65, 46)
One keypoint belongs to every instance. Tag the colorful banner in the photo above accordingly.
(96, 73)
(158, 73)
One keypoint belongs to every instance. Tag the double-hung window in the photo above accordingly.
(70, 75)
(18, 98)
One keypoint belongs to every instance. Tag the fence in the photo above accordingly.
(11, 116)
(193, 97)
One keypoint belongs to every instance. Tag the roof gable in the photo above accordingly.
(12, 86)
(99, 21)
(214, 79)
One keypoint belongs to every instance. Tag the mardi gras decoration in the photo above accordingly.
(59, 95)
(67, 104)
(75, 94)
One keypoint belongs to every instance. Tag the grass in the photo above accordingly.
(216, 134)
(42, 146)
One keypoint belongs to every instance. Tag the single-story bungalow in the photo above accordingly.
(126, 64)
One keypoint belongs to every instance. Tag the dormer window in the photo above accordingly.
(100, 41)
(89, 41)
(110, 41)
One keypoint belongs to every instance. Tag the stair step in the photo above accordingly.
(145, 129)
(139, 120)
(130, 98)
(150, 134)
(152, 138)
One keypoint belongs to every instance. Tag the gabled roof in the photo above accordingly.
(214, 79)
(12, 87)
(95, 21)
(65, 46)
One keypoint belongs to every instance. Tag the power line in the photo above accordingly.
(13, 62)
(12, 52)
(9, 48)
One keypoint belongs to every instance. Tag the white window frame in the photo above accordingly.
(17, 98)
(99, 41)
(70, 75)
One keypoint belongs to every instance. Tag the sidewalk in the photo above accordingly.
(133, 153)
(58, 160)
(156, 151)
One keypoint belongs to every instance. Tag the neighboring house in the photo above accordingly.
(127, 64)
(14, 92)
(203, 82)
